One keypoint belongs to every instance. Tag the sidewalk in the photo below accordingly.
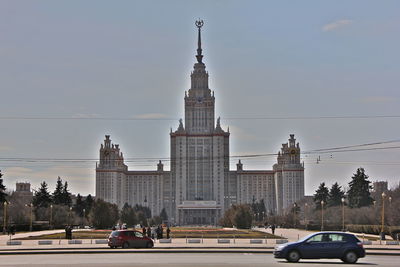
(296, 234)
(4, 238)
(178, 243)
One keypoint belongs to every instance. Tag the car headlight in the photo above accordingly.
(280, 247)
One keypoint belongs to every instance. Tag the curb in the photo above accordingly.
(191, 250)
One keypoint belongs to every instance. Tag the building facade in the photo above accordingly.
(200, 186)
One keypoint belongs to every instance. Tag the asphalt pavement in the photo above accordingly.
(172, 259)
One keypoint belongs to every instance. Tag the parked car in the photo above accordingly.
(129, 239)
(328, 245)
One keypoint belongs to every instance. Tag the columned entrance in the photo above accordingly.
(198, 213)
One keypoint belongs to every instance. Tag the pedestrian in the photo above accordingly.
(70, 232)
(161, 232)
(148, 231)
(158, 232)
(12, 229)
(66, 232)
(273, 229)
(168, 232)
(144, 231)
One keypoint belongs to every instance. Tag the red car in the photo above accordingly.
(129, 239)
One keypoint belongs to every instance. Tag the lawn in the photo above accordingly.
(176, 232)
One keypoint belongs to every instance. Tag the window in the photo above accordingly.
(336, 237)
(316, 238)
(138, 234)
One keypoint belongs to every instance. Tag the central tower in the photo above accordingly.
(199, 103)
(199, 153)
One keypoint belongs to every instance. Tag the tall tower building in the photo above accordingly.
(199, 187)
(199, 153)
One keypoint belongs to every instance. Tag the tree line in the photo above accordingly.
(358, 195)
(58, 209)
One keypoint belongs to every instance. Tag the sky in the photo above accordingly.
(326, 71)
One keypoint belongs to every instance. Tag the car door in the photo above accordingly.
(130, 236)
(140, 240)
(314, 247)
(334, 246)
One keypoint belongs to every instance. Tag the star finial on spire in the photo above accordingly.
(199, 23)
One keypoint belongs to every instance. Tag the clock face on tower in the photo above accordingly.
(199, 99)
(293, 152)
(106, 153)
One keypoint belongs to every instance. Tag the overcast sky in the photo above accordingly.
(132, 59)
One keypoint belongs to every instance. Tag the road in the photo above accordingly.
(173, 259)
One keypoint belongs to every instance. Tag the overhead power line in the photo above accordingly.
(143, 160)
(223, 118)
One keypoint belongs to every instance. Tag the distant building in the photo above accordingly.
(380, 186)
(23, 192)
(200, 186)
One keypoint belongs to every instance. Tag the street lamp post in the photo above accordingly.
(305, 215)
(31, 216)
(84, 213)
(294, 214)
(69, 215)
(322, 215)
(51, 216)
(343, 228)
(5, 217)
(383, 217)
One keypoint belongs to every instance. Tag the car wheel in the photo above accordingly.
(350, 257)
(149, 245)
(125, 245)
(293, 256)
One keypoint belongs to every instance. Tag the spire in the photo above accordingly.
(199, 23)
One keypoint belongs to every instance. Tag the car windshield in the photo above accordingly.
(306, 237)
(115, 233)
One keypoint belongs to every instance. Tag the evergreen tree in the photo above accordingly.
(359, 190)
(3, 193)
(145, 211)
(42, 197)
(163, 215)
(243, 217)
(88, 203)
(79, 206)
(58, 192)
(335, 195)
(321, 194)
(66, 195)
(128, 215)
(103, 214)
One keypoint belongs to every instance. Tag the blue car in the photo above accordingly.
(328, 245)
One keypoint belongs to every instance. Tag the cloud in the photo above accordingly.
(336, 25)
(150, 116)
(377, 99)
(85, 115)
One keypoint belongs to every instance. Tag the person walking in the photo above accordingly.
(144, 230)
(148, 231)
(168, 232)
(273, 228)
(161, 232)
(158, 232)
